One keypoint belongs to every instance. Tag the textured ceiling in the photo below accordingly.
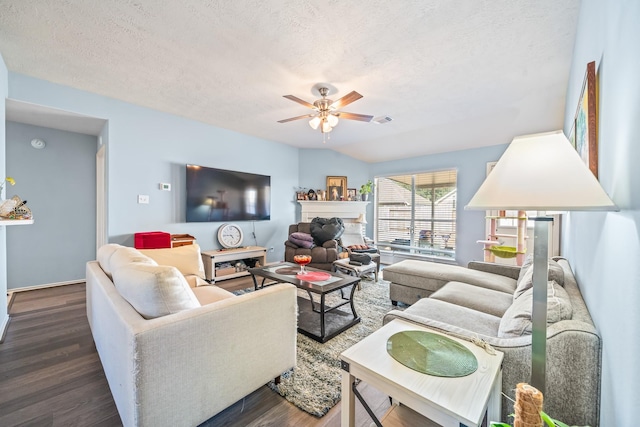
(453, 74)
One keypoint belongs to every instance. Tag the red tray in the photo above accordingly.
(314, 276)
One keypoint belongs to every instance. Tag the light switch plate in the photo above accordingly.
(143, 199)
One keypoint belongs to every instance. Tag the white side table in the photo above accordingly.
(449, 402)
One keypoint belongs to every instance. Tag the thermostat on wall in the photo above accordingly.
(165, 187)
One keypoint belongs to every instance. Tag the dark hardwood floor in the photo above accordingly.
(51, 375)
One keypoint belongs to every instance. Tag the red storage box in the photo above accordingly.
(152, 240)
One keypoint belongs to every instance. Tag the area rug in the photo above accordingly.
(314, 385)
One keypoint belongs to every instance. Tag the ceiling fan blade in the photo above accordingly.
(299, 101)
(354, 116)
(295, 118)
(346, 100)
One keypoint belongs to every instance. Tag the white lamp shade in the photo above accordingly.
(333, 120)
(361, 219)
(541, 172)
(314, 122)
(326, 127)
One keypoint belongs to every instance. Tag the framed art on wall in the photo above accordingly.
(336, 187)
(585, 131)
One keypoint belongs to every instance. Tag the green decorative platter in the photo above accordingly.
(432, 354)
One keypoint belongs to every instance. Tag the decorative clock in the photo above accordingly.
(230, 236)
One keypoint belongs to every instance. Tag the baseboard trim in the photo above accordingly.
(46, 285)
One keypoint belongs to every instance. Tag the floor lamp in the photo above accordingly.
(541, 172)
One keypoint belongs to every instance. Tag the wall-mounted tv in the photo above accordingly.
(215, 195)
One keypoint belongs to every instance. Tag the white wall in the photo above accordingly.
(604, 248)
(147, 147)
(316, 164)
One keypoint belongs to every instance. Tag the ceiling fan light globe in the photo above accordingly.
(333, 120)
(326, 127)
(315, 122)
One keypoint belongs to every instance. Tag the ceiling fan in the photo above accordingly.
(327, 114)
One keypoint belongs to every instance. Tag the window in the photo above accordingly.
(417, 213)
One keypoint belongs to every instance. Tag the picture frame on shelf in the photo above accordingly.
(352, 194)
(585, 131)
(336, 188)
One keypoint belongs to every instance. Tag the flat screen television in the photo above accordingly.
(215, 195)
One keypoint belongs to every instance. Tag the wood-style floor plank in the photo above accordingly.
(51, 375)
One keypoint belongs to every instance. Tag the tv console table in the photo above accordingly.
(215, 261)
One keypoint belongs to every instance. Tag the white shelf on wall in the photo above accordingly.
(16, 221)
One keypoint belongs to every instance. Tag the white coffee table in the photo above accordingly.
(450, 402)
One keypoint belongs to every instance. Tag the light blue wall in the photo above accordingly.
(59, 184)
(471, 167)
(604, 248)
(316, 164)
(4, 317)
(147, 147)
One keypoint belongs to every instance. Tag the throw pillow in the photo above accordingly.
(124, 256)
(104, 256)
(525, 279)
(185, 258)
(516, 321)
(555, 270)
(154, 290)
(303, 240)
(323, 229)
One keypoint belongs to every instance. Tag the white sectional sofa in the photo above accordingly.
(176, 350)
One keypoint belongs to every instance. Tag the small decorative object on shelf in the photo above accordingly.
(336, 188)
(301, 193)
(15, 208)
(365, 190)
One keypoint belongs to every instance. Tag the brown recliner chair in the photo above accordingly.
(322, 257)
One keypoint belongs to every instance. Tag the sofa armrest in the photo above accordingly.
(330, 244)
(290, 244)
(511, 271)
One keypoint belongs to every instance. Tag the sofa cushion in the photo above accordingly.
(477, 298)
(462, 317)
(185, 258)
(154, 290)
(517, 319)
(125, 255)
(103, 256)
(195, 281)
(210, 294)
(525, 279)
(432, 276)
